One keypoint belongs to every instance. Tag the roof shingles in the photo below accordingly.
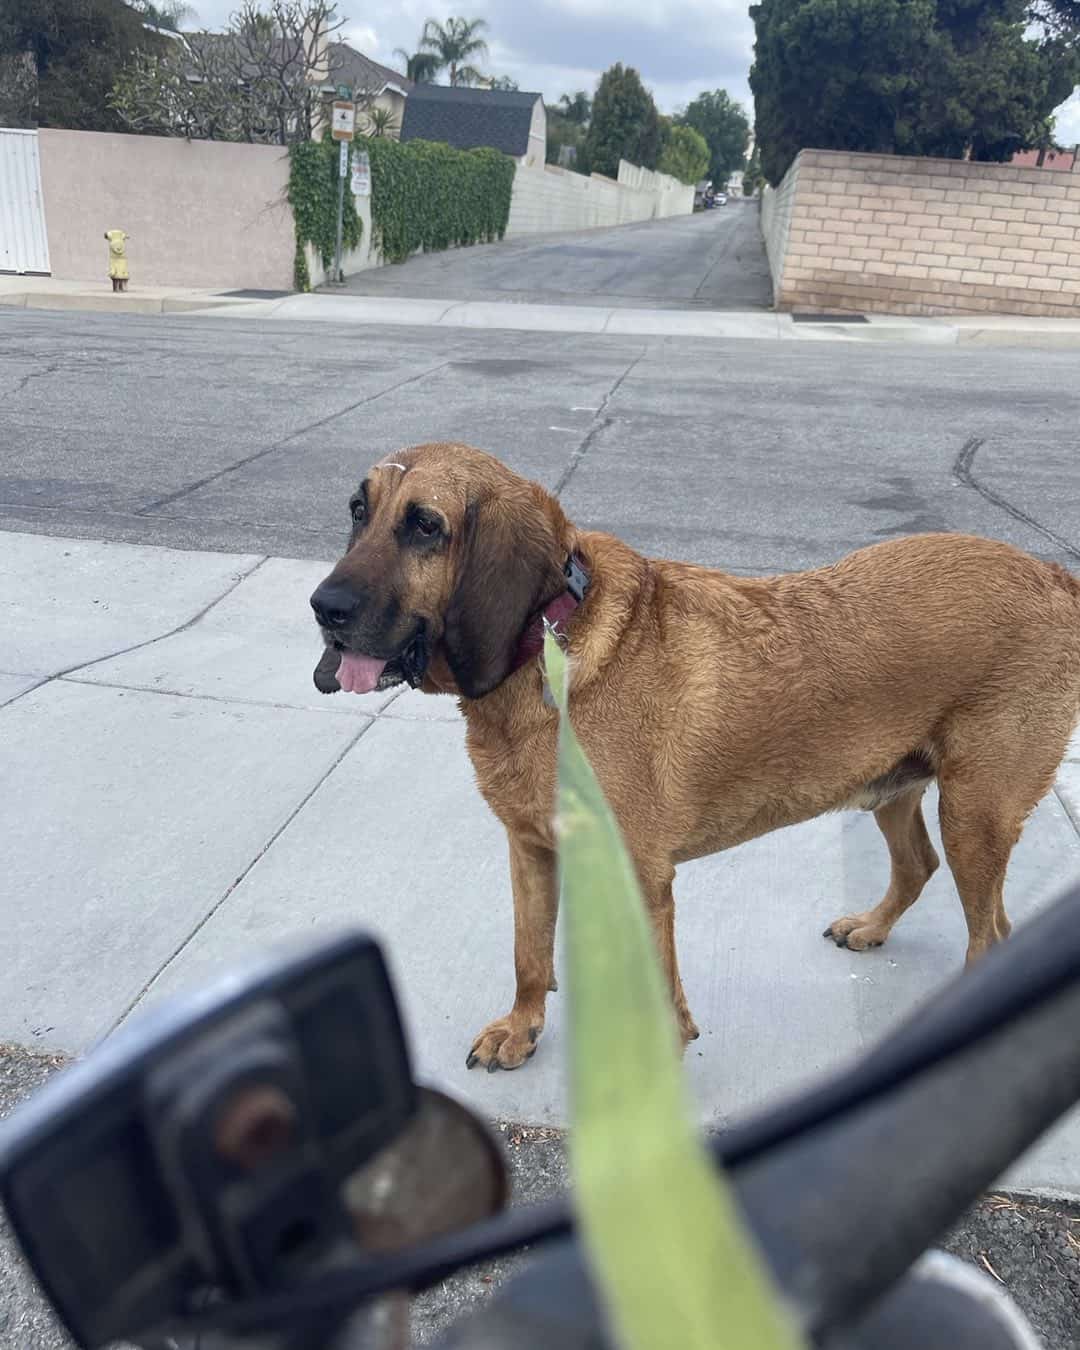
(467, 118)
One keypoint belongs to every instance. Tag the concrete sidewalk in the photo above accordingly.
(30, 292)
(175, 791)
(618, 321)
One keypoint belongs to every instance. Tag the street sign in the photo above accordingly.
(344, 91)
(343, 160)
(361, 174)
(342, 120)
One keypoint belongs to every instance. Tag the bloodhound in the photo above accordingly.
(713, 707)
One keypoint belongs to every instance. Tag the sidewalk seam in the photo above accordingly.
(274, 837)
(227, 699)
(180, 628)
(1070, 816)
(7, 702)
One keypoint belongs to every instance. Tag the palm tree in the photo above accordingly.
(453, 43)
(420, 67)
(381, 120)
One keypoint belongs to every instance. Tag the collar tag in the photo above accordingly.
(577, 579)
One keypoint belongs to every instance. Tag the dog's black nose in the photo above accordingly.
(334, 605)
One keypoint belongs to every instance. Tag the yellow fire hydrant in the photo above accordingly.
(118, 268)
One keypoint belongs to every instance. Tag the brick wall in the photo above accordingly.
(903, 235)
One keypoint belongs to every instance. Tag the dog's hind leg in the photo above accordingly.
(983, 811)
(914, 861)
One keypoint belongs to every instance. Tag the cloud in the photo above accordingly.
(1067, 121)
(679, 47)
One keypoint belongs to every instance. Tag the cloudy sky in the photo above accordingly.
(558, 46)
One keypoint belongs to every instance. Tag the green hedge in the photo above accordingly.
(313, 195)
(428, 196)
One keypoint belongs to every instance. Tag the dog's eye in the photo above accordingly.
(358, 510)
(426, 526)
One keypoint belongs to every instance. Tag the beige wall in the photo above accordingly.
(547, 198)
(925, 236)
(200, 213)
(537, 151)
(776, 211)
(395, 104)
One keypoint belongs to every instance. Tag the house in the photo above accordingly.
(385, 88)
(507, 119)
(324, 65)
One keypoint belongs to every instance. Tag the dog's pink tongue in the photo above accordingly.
(359, 674)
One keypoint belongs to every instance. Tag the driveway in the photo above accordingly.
(713, 260)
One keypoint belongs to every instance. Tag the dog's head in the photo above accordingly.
(450, 556)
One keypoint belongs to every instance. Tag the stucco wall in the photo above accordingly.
(546, 198)
(200, 213)
(537, 151)
(928, 236)
(777, 205)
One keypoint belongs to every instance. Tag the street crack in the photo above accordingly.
(600, 423)
(963, 473)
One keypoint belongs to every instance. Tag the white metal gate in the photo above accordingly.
(24, 242)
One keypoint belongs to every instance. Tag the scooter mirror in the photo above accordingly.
(201, 1152)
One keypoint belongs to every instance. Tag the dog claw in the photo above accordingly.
(491, 1068)
(472, 1060)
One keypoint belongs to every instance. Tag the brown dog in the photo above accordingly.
(714, 708)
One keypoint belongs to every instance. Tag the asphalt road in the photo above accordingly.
(712, 260)
(244, 436)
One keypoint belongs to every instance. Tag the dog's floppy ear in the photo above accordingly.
(326, 672)
(510, 567)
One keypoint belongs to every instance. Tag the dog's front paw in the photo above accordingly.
(857, 932)
(506, 1044)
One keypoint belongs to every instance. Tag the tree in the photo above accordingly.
(686, 155)
(166, 15)
(18, 89)
(420, 67)
(263, 80)
(504, 82)
(454, 43)
(917, 77)
(564, 140)
(381, 122)
(753, 179)
(576, 108)
(624, 123)
(72, 51)
(726, 130)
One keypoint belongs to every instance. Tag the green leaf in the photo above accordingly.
(659, 1221)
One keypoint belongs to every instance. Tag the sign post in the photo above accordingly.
(342, 128)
